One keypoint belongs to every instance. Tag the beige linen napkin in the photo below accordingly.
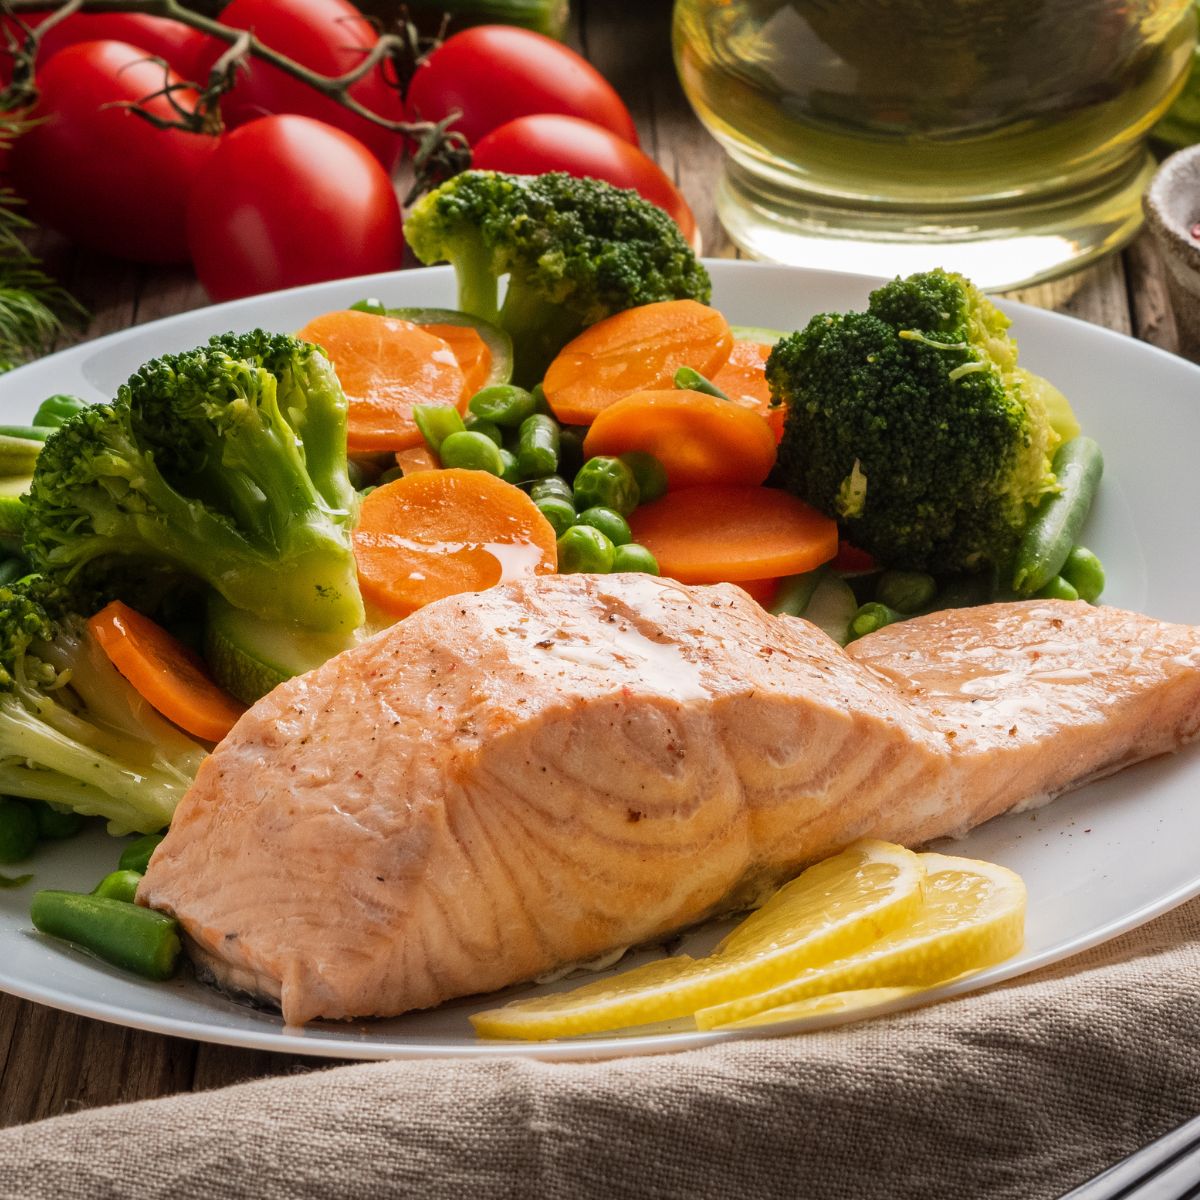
(1020, 1092)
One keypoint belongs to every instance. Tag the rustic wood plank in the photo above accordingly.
(1153, 320)
(222, 1066)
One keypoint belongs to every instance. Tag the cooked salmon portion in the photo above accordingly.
(518, 779)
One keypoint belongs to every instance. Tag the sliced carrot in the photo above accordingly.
(471, 351)
(776, 417)
(743, 378)
(699, 439)
(164, 672)
(632, 351)
(733, 533)
(439, 533)
(386, 366)
(416, 458)
(762, 590)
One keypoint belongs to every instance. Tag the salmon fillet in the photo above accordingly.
(522, 778)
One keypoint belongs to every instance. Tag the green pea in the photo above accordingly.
(650, 474)
(559, 511)
(537, 446)
(905, 591)
(511, 472)
(136, 856)
(570, 450)
(870, 617)
(609, 522)
(472, 452)
(584, 548)
(1085, 573)
(436, 423)
(18, 830)
(607, 482)
(119, 885)
(551, 485)
(635, 557)
(1057, 589)
(487, 428)
(55, 823)
(504, 403)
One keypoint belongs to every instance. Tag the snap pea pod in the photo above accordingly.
(137, 939)
(690, 380)
(136, 856)
(537, 446)
(57, 410)
(1054, 528)
(119, 885)
(436, 423)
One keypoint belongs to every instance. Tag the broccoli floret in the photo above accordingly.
(912, 424)
(72, 730)
(574, 251)
(227, 464)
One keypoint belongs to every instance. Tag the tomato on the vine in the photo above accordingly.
(99, 173)
(495, 73)
(178, 45)
(329, 37)
(549, 142)
(287, 200)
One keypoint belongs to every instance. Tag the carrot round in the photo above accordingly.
(470, 350)
(632, 351)
(699, 439)
(743, 378)
(416, 458)
(439, 533)
(733, 533)
(385, 366)
(164, 672)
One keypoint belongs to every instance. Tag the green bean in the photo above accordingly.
(905, 591)
(136, 855)
(389, 476)
(137, 939)
(55, 823)
(570, 450)
(510, 468)
(488, 428)
(607, 482)
(119, 885)
(540, 403)
(12, 569)
(18, 830)
(1054, 529)
(551, 485)
(689, 380)
(436, 423)
(472, 452)
(870, 617)
(795, 592)
(371, 305)
(609, 522)
(650, 474)
(504, 403)
(1085, 573)
(558, 510)
(537, 446)
(28, 433)
(56, 410)
(633, 556)
(1057, 589)
(585, 548)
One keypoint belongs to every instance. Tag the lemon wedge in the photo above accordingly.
(861, 1002)
(973, 916)
(832, 910)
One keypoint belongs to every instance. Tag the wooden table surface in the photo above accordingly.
(52, 1062)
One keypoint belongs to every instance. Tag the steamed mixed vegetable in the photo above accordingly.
(239, 513)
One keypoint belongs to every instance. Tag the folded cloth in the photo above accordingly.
(1022, 1091)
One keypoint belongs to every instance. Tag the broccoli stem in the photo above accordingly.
(538, 328)
(478, 286)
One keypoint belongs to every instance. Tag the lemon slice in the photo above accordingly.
(973, 916)
(828, 912)
(861, 1002)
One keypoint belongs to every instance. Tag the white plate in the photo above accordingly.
(1097, 862)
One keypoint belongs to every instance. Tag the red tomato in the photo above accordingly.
(328, 36)
(549, 142)
(101, 174)
(493, 73)
(287, 200)
(177, 44)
